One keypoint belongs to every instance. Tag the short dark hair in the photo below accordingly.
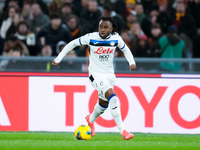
(65, 4)
(108, 7)
(114, 25)
(22, 22)
(72, 16)
(155, 26)
(54, 16)
(154, 7)
(12, 38)
(18, 49)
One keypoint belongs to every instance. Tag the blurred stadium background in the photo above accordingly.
(29, 100)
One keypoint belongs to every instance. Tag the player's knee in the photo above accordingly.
(103, 103)
(109, 92)
(113, 100)
(100, 108)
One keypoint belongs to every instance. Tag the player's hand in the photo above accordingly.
(54, 63)
(132, 67)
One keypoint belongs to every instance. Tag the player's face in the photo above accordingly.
(105, 28)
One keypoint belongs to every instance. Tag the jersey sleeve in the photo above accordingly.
(121, 43)
(125, 49)
(84, 40)
(67, 49)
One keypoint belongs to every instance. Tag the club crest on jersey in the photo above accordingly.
(112, 43)
(101, 50)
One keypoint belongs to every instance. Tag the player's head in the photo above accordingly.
(55, 21)
(107, 26)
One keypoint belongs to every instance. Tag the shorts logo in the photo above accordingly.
(101, 83)
(103, 57)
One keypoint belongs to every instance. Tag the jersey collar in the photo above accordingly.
(107, 36)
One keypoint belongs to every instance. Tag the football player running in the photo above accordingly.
(101, 71)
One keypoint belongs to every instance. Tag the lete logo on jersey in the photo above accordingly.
(101, 50)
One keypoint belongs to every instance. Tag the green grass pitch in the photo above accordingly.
(101, 141)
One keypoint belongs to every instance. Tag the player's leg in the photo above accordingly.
(96, 81)
(99, 109)
(114, 108)
(116, 113)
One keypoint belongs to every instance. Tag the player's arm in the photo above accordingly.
(77, 42)
(65, 50)
(127, 53)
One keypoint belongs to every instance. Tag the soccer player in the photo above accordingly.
(101, 72)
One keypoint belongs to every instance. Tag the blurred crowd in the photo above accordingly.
(150, 28)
